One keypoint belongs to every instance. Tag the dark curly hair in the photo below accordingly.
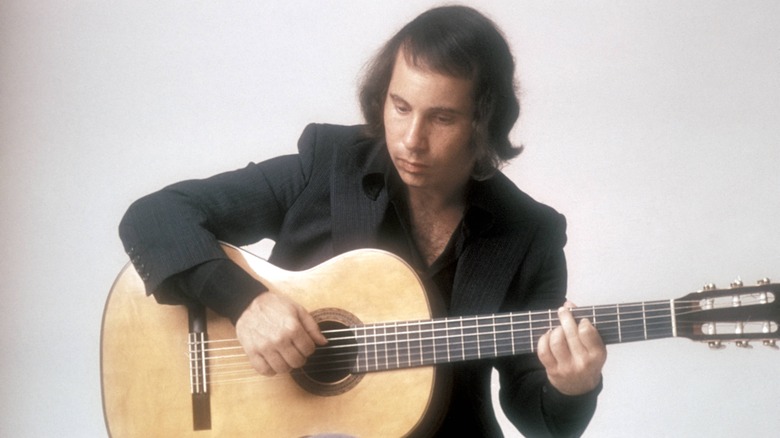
(461, 42)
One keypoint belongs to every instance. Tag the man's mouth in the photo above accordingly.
(412, 166)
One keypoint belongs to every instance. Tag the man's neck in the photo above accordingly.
(433, 219)
(436, 201)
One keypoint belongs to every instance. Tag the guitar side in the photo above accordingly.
(145, 373)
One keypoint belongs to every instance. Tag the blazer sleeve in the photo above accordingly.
(529, 401)
(179, 227)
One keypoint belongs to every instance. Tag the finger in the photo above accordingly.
(544, 353)
(311, 327)
(277, 363)
(293, 357)
(559, 345)
(571, 331)
(589, 336)
(260, 365)
(302, 341)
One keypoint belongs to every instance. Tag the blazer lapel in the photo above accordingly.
(485, 271)
(502, 233)
(359, 197)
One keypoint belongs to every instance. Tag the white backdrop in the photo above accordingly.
(653, 126)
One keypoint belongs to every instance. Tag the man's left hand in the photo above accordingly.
(573, 354)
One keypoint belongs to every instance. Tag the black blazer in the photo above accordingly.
(330, 198)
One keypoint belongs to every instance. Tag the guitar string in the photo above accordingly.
(245, 372)
(409, 336)
(512, 331)
(585, 312)
(377, 328)
(341, 362)
(333, 358)
(336, 361)
(517, 318)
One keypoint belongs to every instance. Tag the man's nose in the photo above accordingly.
(414, 137)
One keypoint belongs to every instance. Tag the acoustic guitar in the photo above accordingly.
(174, 371)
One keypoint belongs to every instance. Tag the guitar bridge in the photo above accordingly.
(201, 401)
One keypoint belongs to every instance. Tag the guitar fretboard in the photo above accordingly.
(408, 344)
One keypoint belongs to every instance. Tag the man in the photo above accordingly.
(420, 180)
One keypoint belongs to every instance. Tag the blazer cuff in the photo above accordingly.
(567, 412)
(222, 286)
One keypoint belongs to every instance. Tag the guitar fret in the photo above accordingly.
(479, 338)
(426, 333)
(540, 324)
(382, 347)
(661, 318)
(531, 332)
(607, 324)
(455, 339)
(504, 337)
(485, 338)
(470, 339)
(410, 332)
(447, 340)
(442, 342)
(521, 334)
(632, 322)
(620, 330)
(436, 340)
(394, 345)
(495, 343)
(381, 344)
(371, 350)
(462, 339)
(512, 331)
(362, 350)
(375, 346)
(420, 336)
(365, 350)
(644, 320)
(402, 344)
(549, 318)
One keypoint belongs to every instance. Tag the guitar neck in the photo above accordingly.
(417, 343)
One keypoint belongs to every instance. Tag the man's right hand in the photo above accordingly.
(277, 334)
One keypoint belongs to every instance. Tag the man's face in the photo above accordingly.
(428, 127)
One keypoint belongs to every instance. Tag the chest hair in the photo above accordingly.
(433, 231)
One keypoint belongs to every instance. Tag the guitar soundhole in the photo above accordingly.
(329, 370)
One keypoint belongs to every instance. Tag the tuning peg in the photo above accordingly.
(764, 281)
(743, 344)
(709, 286)
(736, 283)
(716, 345)
(771, 344)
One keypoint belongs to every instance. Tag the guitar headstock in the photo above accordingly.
(740, 314)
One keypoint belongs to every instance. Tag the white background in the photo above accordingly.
(654, 126)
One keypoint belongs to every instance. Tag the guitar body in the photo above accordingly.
(145, 365)
(172, 371)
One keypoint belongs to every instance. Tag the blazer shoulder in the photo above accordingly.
(327, 136)
(516, 206)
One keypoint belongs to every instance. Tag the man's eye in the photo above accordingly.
(445, 120)
(401, 109)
